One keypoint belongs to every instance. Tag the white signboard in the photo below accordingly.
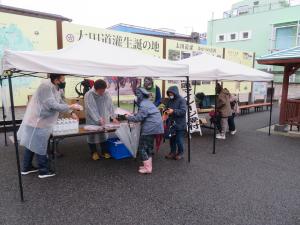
(259, 90)
(194, 119)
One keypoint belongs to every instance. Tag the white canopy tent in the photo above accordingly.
(92, 58)
(83, 58)
(209, 68)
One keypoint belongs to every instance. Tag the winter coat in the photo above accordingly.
(178, 104)
(148, 115)
(223, 104)
(234, 104)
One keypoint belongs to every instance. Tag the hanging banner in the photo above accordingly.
(194, 119)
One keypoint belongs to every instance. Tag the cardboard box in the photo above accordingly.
(70, 101)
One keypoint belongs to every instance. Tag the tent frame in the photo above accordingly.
(9, 74)
(3, 116)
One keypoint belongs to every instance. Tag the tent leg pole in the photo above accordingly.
(188, 117)
(271, 107)
(4, 117)
(118, 86)
(215, 125)
(15, 136)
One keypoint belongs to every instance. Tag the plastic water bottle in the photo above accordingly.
(77, 125)
(68, 125)
(63, 125)
(59, 126)
(71, 124)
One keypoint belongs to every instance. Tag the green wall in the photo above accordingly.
(260, 24)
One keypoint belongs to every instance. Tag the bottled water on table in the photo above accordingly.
(66, 125)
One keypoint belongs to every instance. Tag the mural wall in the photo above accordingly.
(26, 34)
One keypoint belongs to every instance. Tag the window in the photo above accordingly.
(221, 38)
(233, 36)
(245, 35)
(243, 10)
(285, 37)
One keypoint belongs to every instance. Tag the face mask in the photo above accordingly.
(171, 96)
(148, 86)
(62, 85)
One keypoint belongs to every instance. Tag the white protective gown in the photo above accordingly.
(97, 107)
(40, 117)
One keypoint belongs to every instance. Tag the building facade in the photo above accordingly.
(163, 33)
(261, 26)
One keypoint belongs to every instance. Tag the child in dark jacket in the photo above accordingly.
(176, 109)
(151, 123)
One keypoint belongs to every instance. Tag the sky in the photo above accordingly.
(183, 16)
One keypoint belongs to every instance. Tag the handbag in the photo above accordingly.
(169, 129)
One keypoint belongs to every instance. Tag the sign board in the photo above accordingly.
(177, 50)
(146, 44)
(194, 118)
(242, 57)
(259, 90)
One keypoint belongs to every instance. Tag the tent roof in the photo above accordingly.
(92, 58)
(287, 56)
(207, 67)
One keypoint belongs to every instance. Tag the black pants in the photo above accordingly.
(231, 123)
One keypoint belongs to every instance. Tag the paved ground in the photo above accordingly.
(253, 179)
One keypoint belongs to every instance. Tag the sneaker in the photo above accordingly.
(170, 156)
(31, 170)
(233, 132)
(179, 157)
(221, 136)
(95, 156)
(46, 175)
